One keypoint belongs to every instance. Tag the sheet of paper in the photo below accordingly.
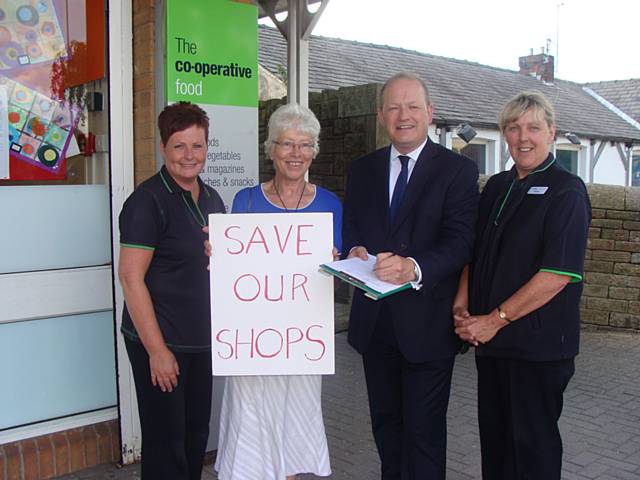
(363, 270)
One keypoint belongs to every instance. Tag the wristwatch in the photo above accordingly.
(502, 315)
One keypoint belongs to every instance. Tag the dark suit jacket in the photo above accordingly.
(435, 225)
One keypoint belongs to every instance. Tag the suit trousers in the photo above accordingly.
(408, 406)
(175, 425)
(519, 405)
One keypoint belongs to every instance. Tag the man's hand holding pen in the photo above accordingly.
(394, 268)
(389, 267)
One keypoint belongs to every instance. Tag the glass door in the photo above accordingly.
(57, 353)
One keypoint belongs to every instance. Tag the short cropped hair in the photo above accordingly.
(521, 103)
(293, 117)
(180, 116)
(405, 76)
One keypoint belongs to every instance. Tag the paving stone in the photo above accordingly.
(600, 422)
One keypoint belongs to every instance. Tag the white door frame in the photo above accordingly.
(122, 183)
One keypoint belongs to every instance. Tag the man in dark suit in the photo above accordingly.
(413, 205)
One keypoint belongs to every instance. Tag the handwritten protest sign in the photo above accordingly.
(271, 310)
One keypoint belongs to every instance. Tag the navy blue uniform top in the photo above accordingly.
(539, 223)
(161, 216)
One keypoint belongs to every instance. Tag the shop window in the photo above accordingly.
(568, 159)
(53, 92)
(54, 160)
(475, 151)
(55, 210)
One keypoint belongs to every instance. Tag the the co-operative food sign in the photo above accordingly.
(212, 60)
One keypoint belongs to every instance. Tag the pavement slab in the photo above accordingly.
(600, 424)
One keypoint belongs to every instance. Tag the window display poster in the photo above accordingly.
(4, 134)
(212, 60)
(40, 128)
(271, 308)
(36, 55)
(30, 33)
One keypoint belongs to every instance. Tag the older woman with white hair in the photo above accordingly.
(271, 426)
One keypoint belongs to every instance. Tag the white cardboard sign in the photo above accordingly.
(271, 309)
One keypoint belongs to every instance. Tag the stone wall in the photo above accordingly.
(611, 294)
(612, 268)
(349, 130)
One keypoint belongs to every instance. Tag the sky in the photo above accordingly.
(592, 40)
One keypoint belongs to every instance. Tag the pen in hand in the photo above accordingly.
(380, 258)
(393, 268)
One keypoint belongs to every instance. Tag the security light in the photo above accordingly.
(572, 137)
(466, 132)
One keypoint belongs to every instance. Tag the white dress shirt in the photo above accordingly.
(394, 172)
(395, 166)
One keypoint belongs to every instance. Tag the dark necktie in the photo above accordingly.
(398, 190)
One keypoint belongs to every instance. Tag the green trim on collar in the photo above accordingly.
(164, 180)
(192, 206)
(542, 169)
(575, 278)
(133, 245)
(515, 179)
(506, 197)
(197, 214)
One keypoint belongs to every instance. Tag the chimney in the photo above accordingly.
(539, 66)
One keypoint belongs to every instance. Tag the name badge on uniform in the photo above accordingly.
(537, 190)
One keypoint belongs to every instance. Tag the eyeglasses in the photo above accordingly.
(288, 146)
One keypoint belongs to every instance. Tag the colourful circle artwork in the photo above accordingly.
(56, 137)
(14, 117)
(48, 155)
(44, 105)
(37, 127)
(17, 117)
(42, 6)
(10, 52)
(31, 35)
(61, 118)
(29, 146)
(27, 15)
(34, 50)
(48, 29)
(30, 32)
(22, 96)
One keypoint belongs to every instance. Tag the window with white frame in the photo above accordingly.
(567, 159)
(475, 151)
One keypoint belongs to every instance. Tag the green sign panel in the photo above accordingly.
(212, 52)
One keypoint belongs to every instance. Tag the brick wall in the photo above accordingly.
(50, 456)
(144, 90)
